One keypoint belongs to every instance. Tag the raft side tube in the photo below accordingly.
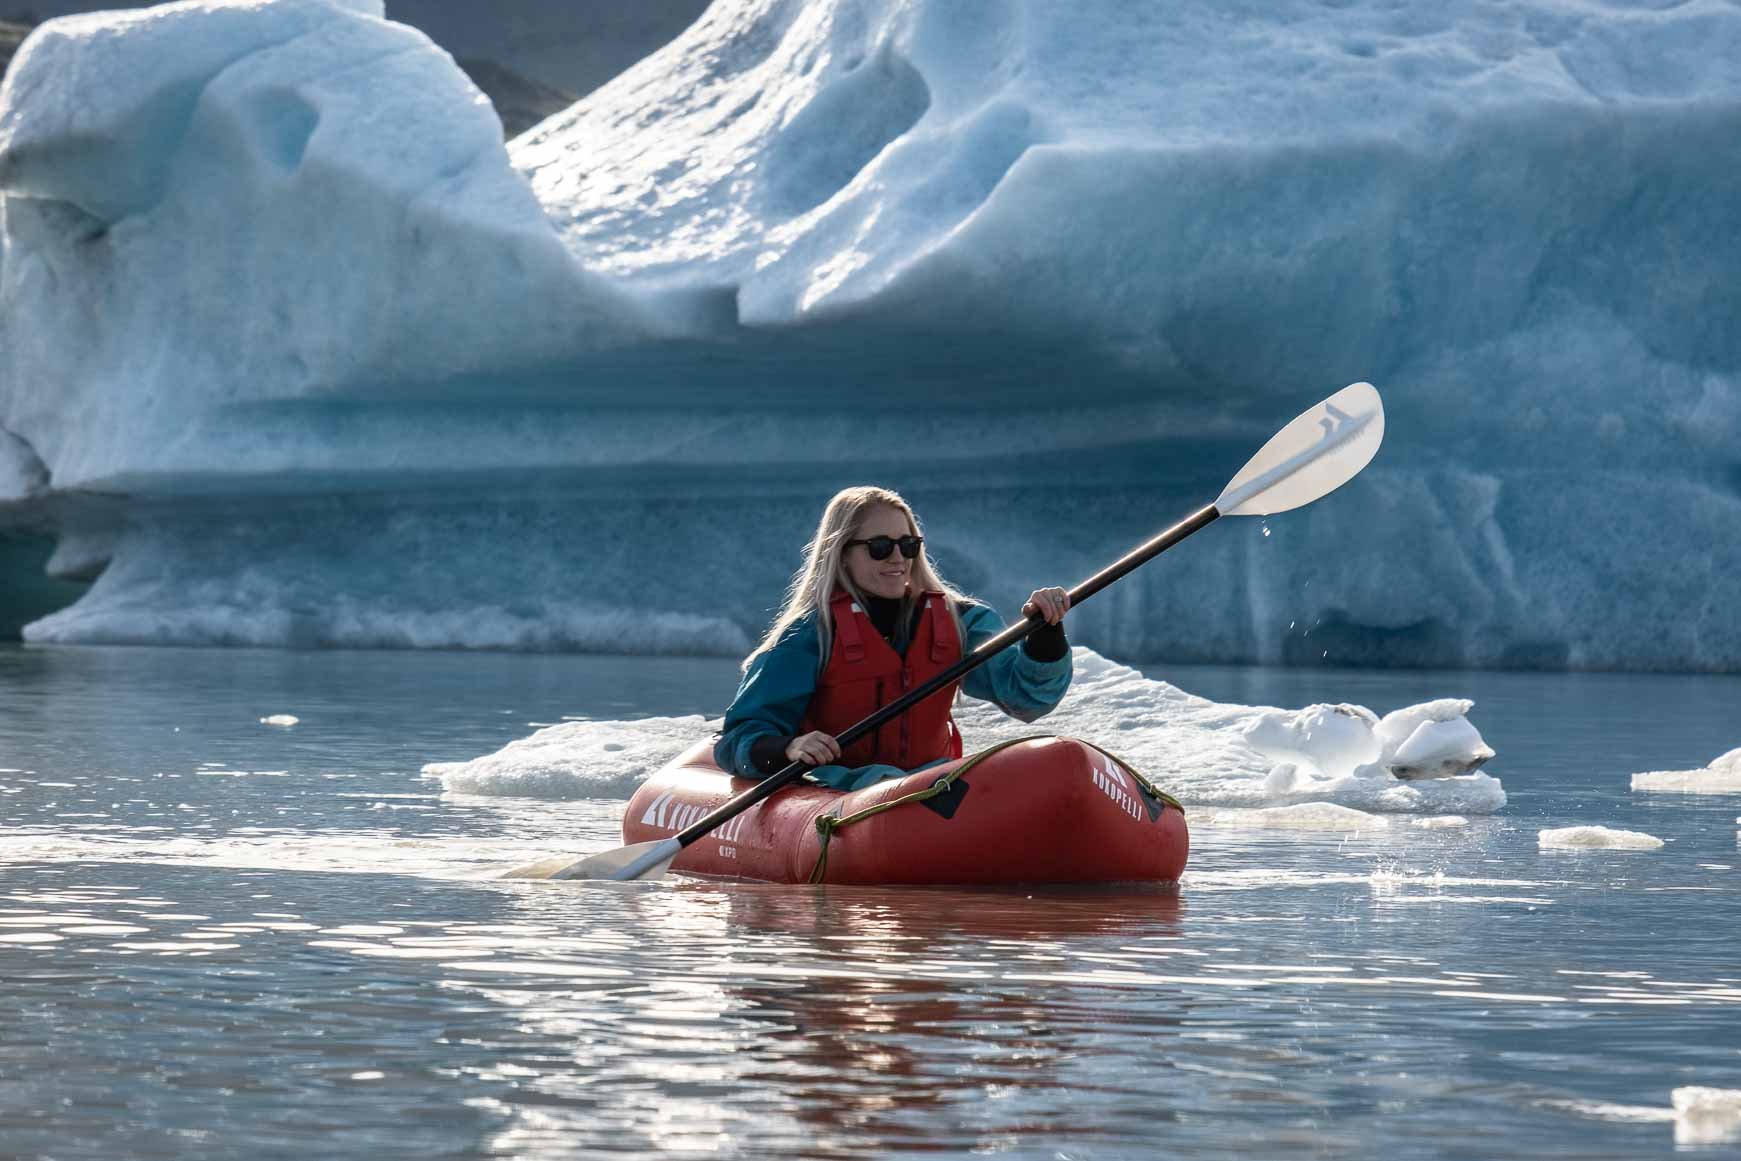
(1041, 810)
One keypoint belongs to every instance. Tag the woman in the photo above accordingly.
(867, 619)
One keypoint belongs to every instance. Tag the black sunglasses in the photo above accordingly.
(881, 547)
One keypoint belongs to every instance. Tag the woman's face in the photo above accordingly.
(879, 578)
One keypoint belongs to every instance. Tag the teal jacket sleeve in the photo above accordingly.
(1014, 682)
(771, 699)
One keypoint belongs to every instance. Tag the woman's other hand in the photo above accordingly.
(1051, 604)
(813, 749)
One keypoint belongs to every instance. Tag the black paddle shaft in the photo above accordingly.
(1134, 559)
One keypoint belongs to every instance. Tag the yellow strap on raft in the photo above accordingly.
(828, 824)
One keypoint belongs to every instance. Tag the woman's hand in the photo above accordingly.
(1051, 604)
(813, 749)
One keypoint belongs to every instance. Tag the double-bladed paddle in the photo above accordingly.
(1311, 457)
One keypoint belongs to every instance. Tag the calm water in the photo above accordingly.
(225, 939)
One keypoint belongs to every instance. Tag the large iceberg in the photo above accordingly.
(293, 351)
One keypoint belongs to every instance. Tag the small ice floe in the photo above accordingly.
(285, 720)
(1722, 776)
(1596, 838)
(1706, 1116)
(1300, 816)
(1440, 821)
(1430, 740)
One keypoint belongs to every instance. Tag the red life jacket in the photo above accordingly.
(864, 673)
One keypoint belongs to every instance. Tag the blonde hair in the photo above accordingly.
(822, 572)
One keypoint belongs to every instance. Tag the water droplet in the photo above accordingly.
(1266, 529)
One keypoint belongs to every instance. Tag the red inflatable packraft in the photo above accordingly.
(1037, 810)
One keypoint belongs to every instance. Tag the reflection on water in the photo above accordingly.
(239, 940)
(809, 1018)
(554, 1020)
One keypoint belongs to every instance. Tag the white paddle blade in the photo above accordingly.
(639, 861)
(542, 869)
(1311, 457)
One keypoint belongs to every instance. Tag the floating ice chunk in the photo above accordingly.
(1706, 1116)
(1439, 749)
(1597, 837)
(1320, 816)
(1431, 740)
(575, 759)
(280, 720)
(1441, 821)
(1722, 776)
(1300, 816)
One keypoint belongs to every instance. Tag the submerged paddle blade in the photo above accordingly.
(542, 869)
(639, 861)
(1311, 457)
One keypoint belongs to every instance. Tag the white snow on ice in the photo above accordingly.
(1722, 776)
(1706, 1116)
(1596, 838)
(581, 759)
(1197, 750)
(1326, 816)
